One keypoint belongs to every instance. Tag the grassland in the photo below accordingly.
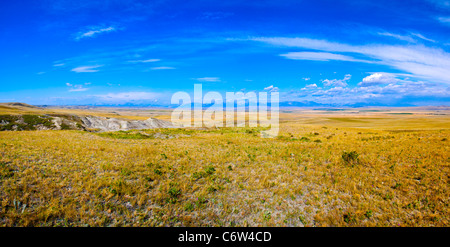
(122, 113)
(335, 168)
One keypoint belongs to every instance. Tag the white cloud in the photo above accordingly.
(84, 69)
(76, 88)
(336, 82)
(145, 61)
(314, 44)
(319, 56)
(161, 68)
(423, 37)
(93, 32)
(377, 79)
(398, 36)
(441, 3)
(406, 37)
(306, 78)
(310, 86)
(420, 61)
(271, 88)
(209, 79)
(444, 20)
(58, 65)
(392, 93)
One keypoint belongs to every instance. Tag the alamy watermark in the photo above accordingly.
(236, 109)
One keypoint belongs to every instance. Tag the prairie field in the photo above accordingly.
(352, 167)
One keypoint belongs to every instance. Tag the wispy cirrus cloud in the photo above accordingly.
(423, 37)
(398, 36)
(86, 69)
(94, 32)
(208, 79)
(145, 61)
(444, 20)
(410, 37)
(441, 3)
(215, 15)
(319, 56)
(161, 68)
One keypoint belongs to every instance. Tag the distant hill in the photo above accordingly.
(19, 108)
(18, 104)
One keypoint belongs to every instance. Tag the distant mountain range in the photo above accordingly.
(205, 106)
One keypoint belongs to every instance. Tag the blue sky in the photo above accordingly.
(338, 53)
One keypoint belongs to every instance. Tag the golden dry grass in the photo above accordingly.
(398, 174)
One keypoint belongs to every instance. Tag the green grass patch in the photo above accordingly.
(125, 135)
(400, 113)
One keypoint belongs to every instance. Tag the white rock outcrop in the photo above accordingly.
(114, 124)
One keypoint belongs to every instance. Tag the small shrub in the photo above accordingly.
(200, 201)
(5, 170)
(388, 197)
(188, 207)
(174, 192)
(349, 218)
(267, 216)
(212, 189)
(396, 185)
(158, 170)
(65, 126)
(350, 156)
(197, 175)
(125, 172)
(210, 170)
(305, 139)
(303, 220)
